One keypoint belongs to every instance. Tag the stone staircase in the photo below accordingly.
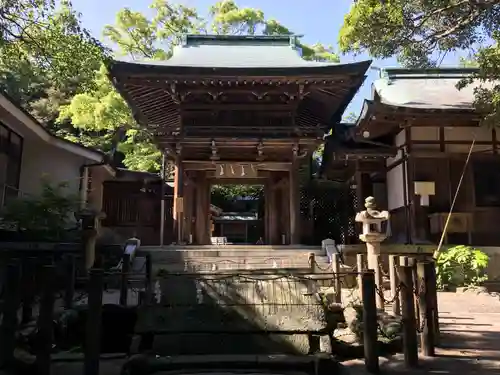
(234, 257)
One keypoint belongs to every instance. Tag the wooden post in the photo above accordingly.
(393, 276)
(314, 343)
(124, 279)
(312, 262)
(425, 271)
(162, 198)
(188, 202)
(434, 302)
(44, 335)
(69, 292)
(417, 286)
(336, 278)
(94, 321)
(178, 203)
(403, 261)
(360, 266)
(202, 210)
(28, 289)
(149, 279)
(267, 212)
(9, 313)
(410, 345)
(294, 204)
(370, 322)
(273, 212)
(285, 211)
(373, 257)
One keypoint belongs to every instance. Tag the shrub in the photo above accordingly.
(461, 266)
(44, 217)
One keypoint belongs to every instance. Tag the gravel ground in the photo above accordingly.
(470, 339)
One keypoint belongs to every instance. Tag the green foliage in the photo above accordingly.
(46, 216)
(231, 191)
(223, 195)
(48, 36)
(54, 68)
(421, 32)
(350, 118)
(101, 111)
(461, 266)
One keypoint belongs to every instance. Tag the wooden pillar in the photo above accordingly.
(267, 199)
(410, 179)
(294, 204)
(188, 210)
(274, 238)
(208, 197)
(202, 210)
(178, 206)
(285, 214)
(162, 199)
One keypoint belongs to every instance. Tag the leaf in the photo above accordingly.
(461, 266)
(421, 32)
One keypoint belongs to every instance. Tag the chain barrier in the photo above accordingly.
(380, 292)
(329, 267)
(419, 290)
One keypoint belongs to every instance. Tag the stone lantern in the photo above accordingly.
(372, 235)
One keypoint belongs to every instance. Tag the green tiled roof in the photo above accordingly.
(237, 52)
(237, 55)
(426, 88)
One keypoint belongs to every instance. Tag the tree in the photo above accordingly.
(102, 110)
(47, 37)
(350, 118)
(421, 32)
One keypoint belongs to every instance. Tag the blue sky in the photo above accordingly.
(317, 20)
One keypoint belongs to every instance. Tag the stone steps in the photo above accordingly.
(234, 257)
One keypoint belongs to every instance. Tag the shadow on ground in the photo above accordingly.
(228, 312)
(460, 352)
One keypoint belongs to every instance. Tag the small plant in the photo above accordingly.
(461, 266)
(45, 217)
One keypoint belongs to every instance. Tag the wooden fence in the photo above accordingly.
(412, 282)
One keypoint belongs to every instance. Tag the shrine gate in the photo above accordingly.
(237, 109)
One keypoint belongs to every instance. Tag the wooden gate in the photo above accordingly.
(134, 209)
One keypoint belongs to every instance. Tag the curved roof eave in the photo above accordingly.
(117, 68)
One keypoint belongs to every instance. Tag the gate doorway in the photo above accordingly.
(238, 213)
(276, 212)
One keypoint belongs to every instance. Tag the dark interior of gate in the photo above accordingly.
(246, 109)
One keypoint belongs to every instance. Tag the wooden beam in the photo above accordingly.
(201, 165)
(227, 82)
(231, 141)
(257, 106)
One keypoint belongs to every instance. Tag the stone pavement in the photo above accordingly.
(470, 338)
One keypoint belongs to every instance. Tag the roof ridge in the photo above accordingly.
(419, 73)
(290, 39)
